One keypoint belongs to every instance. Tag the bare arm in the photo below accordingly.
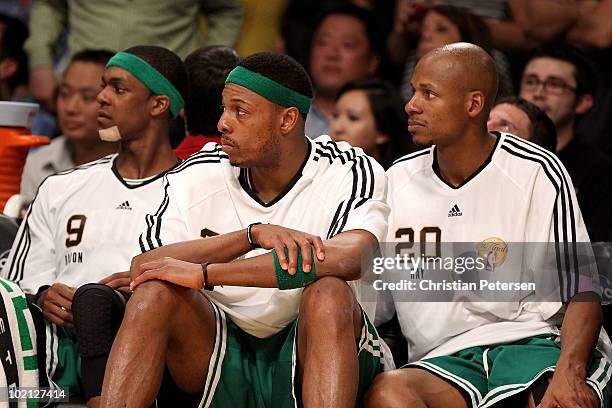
(509, 35)
(227, 247)
(593, 30)
(222, 248)
(343, 256)
(406, 26)
(579, 333)
(48, 19)
(549, 19)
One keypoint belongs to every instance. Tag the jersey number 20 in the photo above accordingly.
(409, 233)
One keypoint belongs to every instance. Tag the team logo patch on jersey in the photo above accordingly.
(493, 251)
(455, 211)
(124, 206)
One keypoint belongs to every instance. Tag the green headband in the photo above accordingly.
(152, 78)
(269, 89)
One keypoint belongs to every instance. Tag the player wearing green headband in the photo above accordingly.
(84, 223)
(242, 344)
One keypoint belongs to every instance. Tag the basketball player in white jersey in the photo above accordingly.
(476, 186)
(240, 344)
(84, 222)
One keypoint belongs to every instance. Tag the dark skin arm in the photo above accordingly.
(593, 30)
(343, 255)
(227, 247)
(579, 333)
(549, 19)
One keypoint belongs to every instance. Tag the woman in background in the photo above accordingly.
(442, 25)
(370, 114)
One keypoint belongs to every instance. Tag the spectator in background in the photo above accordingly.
(346, 46)
(116, 25)
(14, 71)
(81, 226)
(444, 25)
(13, 59)
(593, 28)
(560, 81)
(260, 26)
(20, 9)
(207, 69)
(369, 114)
(77, 113)
(522, 118)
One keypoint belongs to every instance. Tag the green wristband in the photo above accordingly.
(300, 279)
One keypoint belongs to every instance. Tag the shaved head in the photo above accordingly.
(454, 90)
(468, 66)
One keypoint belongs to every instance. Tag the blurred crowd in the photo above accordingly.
(552, 57)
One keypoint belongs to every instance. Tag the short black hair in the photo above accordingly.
(93, 56)
(166, 63)
(584, 70)
(282, 69)
(373, 30)
(207, 69)
(12, 39)
(542, 130)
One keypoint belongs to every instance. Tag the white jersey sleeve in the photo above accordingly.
(166, 225)
(361, 199)
(184, 187)
(554, 217)
(31, 262)
(360, 203)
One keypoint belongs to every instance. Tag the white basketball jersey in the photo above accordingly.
(82, 226)
(522, 193)
(338, 189)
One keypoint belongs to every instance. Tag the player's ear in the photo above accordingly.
(289, 119)
(161, 104)
(475, 103)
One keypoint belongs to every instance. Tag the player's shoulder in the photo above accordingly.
(411, 163)
(335, 158)
(73, 180)
(82, 172)
(202, 163)
(523, 158)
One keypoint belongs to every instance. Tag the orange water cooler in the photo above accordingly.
(15, 141)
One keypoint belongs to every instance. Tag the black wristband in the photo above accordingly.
(205, 272)
(250, 237)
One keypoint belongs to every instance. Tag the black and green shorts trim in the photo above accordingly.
(490, 374)
(246, 371)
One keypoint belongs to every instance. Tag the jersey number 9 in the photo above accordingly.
(74, 228)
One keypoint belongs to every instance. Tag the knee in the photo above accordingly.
(97, 310)
(329, 300)
(390, 390)
(90, 298)
(152, 296)
(94, 303)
